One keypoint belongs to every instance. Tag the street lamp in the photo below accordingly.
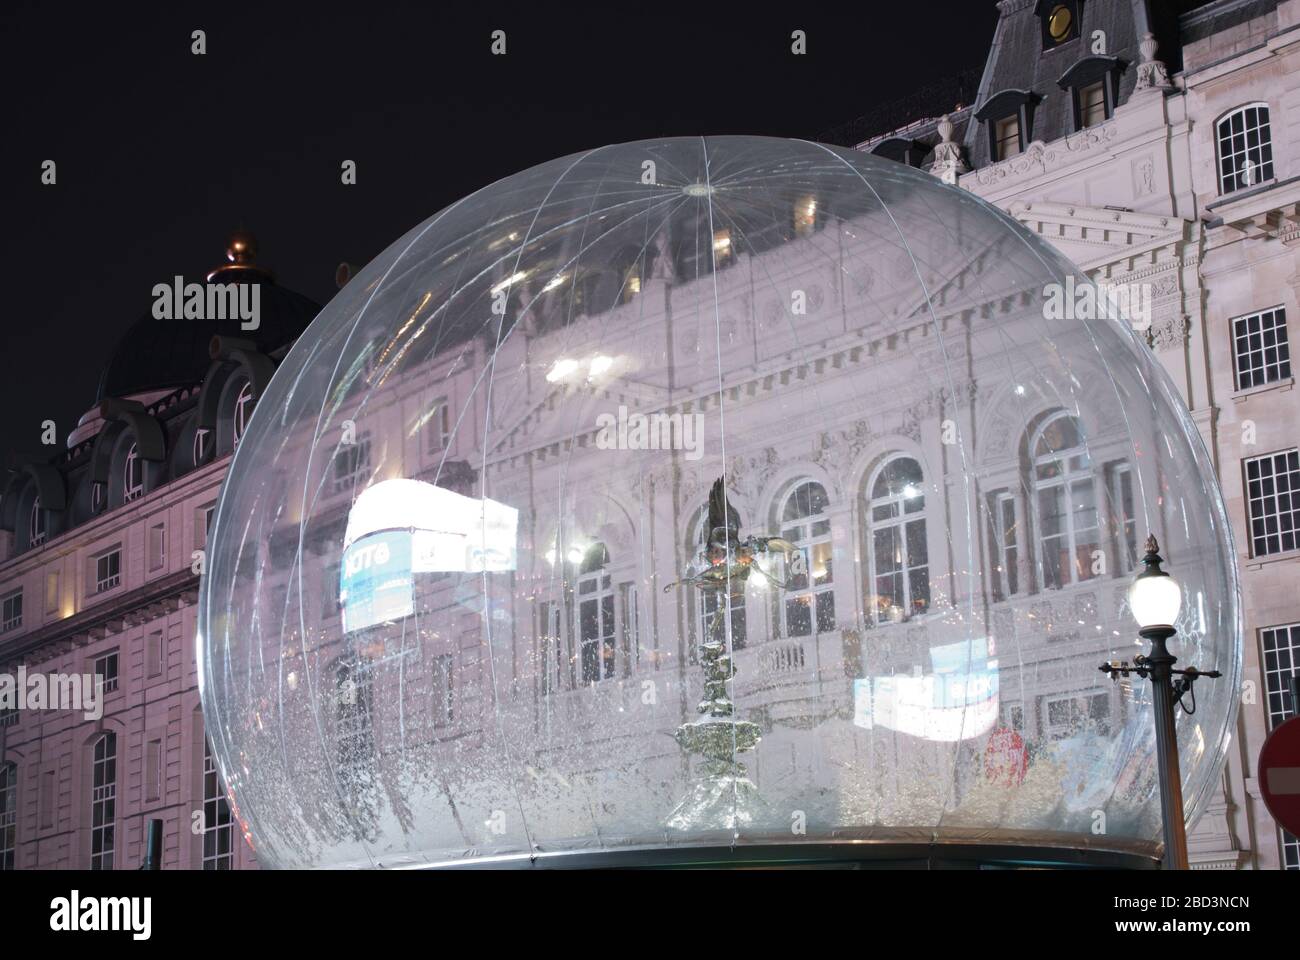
(1155, 599)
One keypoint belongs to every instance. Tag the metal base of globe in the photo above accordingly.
(844, 855)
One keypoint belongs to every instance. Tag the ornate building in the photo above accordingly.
(1154, 154)
(100, 558)
(1158, 150)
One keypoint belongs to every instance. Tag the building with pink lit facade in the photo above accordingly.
(101, 553)
(1167, 161)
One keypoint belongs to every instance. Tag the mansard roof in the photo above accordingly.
(1018, 61)
(151, 389)
(161, 354)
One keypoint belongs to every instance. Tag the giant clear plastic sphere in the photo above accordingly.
(475, 592)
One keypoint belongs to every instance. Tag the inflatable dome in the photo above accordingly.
(698, 494)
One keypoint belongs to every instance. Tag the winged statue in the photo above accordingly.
(726, 560)
(721, 796)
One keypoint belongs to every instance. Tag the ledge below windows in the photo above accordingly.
(1258, 563)
(1225, 206)
(175, 590)
(1241, 396)
(1268, 210)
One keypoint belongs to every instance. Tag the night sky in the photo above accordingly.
(161, 154)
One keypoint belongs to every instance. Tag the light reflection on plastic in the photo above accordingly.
(401, 527)
(958, 701)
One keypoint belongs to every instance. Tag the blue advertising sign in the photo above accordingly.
(376, 584)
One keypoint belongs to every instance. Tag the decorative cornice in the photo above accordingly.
(1044, 156)
(111, 615)
(863, 346)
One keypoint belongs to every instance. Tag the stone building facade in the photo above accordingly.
(100, 558)
(1162, 156)
(1155, 144)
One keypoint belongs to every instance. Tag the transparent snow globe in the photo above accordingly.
(716, 494)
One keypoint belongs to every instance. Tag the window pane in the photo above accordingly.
(1060, 434)
(799, 580)
(825, 611)
(807, 500)
(887, 550)
(821, 563)
(1092, 104)
(917, 551)
(607, 633)
(918, 582)
(798, 616)
(1051, 511)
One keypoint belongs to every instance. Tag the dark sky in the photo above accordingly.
(161, 153)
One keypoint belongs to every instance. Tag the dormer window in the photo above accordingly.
(1008, 118)
(1093, 85)
(1059, 20)
(902, 149)
(1007, 137)
(36, 529)
(202, 445)
(132, 475)
(243, 410)
(1092, 104)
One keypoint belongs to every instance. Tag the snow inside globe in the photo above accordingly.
(715, 494)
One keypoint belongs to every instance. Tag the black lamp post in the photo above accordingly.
(1155, 599)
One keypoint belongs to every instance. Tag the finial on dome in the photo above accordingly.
(241, 248)
(241, 251)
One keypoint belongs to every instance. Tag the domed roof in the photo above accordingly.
(157, 354)
(789, 510)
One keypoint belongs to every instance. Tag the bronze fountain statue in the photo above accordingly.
(722, 796)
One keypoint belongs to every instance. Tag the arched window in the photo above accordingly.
(218, 829)
(810, 600)
(36, 529)
(243, 410)
(8, 815)
(352, 464)
(707, 604)
(103, 802)
(132, 475)
(97, 496)
(1065, 502)
(1245, 146)
(596, 615)
(899, 584)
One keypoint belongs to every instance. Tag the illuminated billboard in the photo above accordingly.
(376, 583)
(399, 528)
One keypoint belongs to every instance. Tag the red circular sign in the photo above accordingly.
(1005, 758)
(1279, 775)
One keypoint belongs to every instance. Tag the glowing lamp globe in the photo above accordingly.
(1155, 596)
(713, 494)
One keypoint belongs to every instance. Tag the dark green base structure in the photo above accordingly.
(851, 855)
